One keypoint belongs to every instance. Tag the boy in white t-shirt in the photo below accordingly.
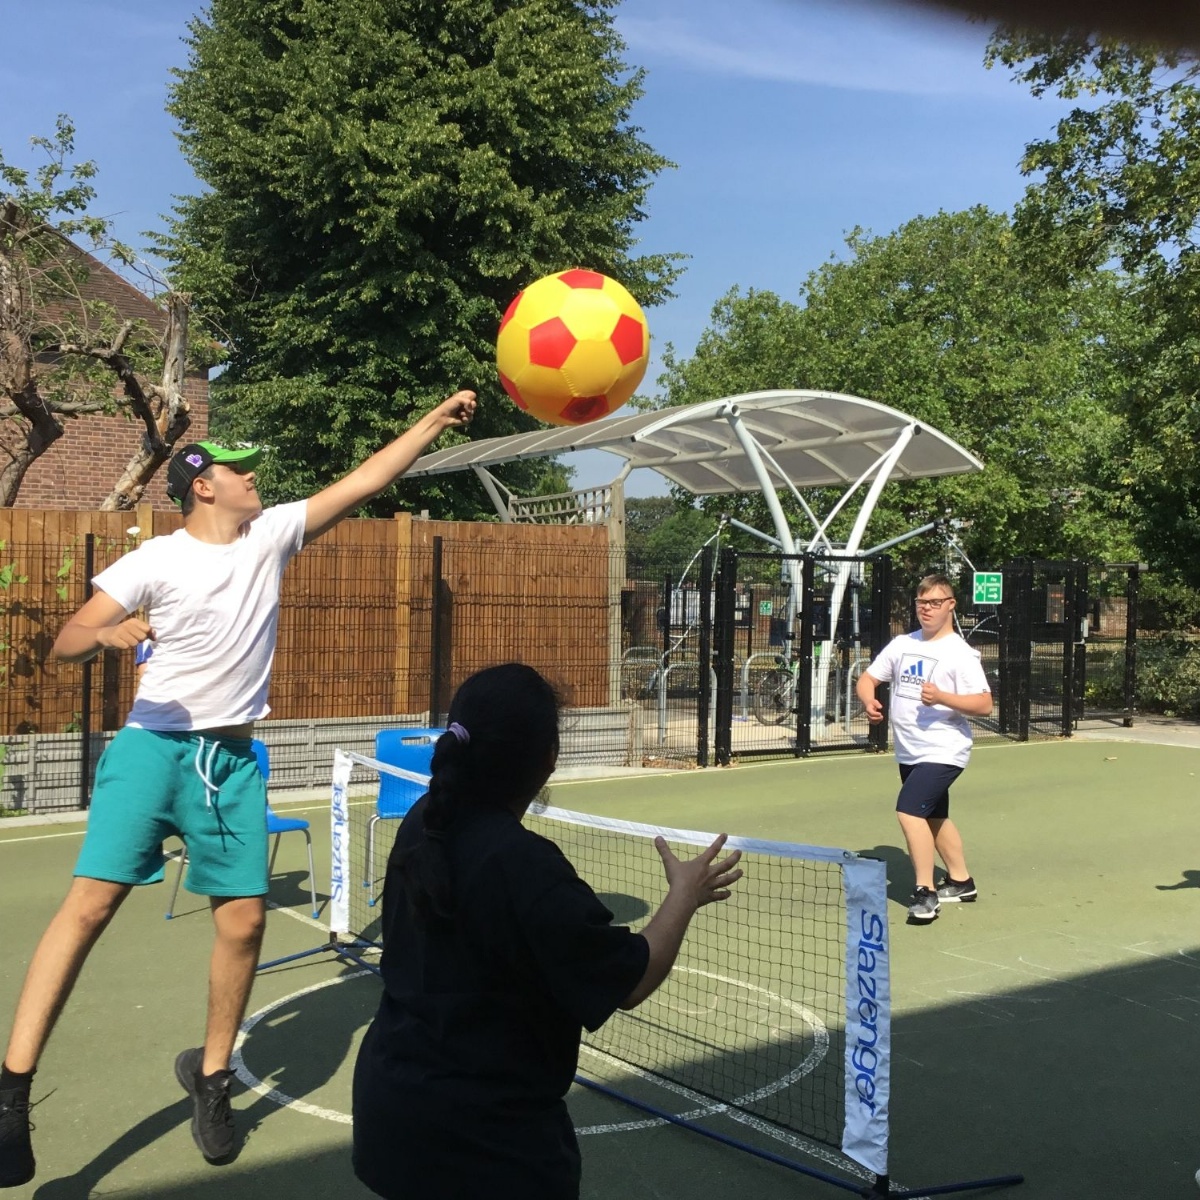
(937, 682)
(183, 763)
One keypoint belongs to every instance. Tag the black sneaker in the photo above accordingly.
(212, 1117)
(953, 892)
(17, 1164)
(924, 906)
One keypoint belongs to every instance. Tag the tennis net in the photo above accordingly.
(777, 1012)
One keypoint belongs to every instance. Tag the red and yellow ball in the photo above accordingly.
(572, 347)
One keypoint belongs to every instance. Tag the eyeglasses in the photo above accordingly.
(935, 602)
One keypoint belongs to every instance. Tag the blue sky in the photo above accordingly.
(791, 121)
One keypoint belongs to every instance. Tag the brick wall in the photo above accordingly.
(83, 466)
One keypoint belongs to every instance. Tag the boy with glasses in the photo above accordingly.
(937, 682)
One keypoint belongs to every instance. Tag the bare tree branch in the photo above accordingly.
(172, 420)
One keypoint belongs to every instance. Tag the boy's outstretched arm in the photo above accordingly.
(330, 505)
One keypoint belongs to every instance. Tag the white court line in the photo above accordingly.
(706, 1106)
(252, 1081)
(303, 917)
(41, 837)
(709, 1107)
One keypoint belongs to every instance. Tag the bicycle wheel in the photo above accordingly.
(773, 697)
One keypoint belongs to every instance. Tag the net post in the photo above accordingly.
(723, 653)
(804, 667)
(704, 691)
(868, 1000)
(339, 910)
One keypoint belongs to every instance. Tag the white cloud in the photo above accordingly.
(824, 43)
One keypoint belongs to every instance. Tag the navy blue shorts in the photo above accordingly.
(925, 789)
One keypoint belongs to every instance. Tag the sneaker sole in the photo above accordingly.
(12, 1181)
(923, 918)
(959, 899)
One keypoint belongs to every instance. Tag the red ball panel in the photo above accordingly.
(511, 389)
(580, 278)
(550, 343)
(629, 339)
(512, 308)
(584, 409)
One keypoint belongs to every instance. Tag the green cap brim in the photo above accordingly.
(249, 456)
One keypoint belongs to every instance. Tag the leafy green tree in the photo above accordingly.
(750, 346)
(383, 177)
(663, 534)
(950, 319)
(1120, 178)
(643, 514)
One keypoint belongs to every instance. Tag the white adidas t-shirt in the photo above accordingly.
(215, 614)
(929, 733)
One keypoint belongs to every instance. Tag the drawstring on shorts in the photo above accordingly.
(211, 790)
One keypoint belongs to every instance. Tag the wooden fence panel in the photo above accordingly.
(354, 627)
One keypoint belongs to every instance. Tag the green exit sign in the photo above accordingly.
(989, 587)
(765, 608)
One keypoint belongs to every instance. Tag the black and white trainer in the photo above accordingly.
(924, 906)
(212, 1115)
(951, 891)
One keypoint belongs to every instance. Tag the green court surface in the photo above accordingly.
(1050, 1029)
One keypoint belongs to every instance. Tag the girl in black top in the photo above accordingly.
(496, 956)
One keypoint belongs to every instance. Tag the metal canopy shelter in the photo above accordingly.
(759, 441)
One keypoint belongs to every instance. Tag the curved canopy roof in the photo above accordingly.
(812, 439)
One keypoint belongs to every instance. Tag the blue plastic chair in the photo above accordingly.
(276, 825)
(412, 750)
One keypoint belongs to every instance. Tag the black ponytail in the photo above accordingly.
(498, 753)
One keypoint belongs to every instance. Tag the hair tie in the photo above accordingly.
(459, 732)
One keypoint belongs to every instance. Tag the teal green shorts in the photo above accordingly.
(211, 793)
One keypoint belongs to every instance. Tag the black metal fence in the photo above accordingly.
(732, 655)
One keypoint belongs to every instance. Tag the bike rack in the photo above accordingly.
(775, 661)
(664, 688)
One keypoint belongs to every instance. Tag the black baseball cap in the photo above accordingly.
(195, 458)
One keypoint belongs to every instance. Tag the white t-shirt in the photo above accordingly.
(215, 614)
(929, 733)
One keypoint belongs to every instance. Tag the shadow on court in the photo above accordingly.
(1191, 879)
(289, 889)
(1079, 1055)
(900, 877)
(1049, 1029)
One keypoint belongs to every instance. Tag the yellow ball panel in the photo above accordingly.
(622, 298)
(592, 368)
(627, 384)
(590, 315)
(542, 300)
(512, 349)
(544, 390)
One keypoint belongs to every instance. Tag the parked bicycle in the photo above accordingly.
(775, 690)
(775, 693)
